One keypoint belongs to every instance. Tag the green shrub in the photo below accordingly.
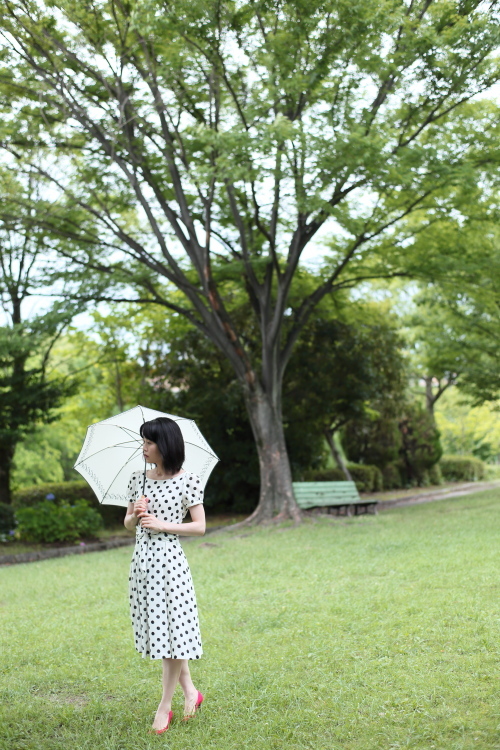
(435, 474)
(492, 471)
(62, 522)
(462, 468)
(392, 476)
(324, 475)
(7, 519)
(420, 449)
(378, 480)
(409, 442)
(367, 478)
(370, 441)
(425, 480)
(70, 492)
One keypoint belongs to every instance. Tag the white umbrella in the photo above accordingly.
(112, 450)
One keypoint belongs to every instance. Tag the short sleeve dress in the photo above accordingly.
(162, 599)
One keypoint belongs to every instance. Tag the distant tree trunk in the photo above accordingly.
(337, 456)
(431, 395)
(14, 416)
(430, 399)
(6, 458)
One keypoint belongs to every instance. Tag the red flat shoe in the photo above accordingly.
(160, 731)
(198, 703)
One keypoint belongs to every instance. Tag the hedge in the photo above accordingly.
(7, 519)
(462, 468)
(367, 478)
(48, 522)
(69, 492)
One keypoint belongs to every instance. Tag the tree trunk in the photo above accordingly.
(430, 399)
(17, 382)
(6, 458)
(337, 456)
(432, 396)
(276, 501)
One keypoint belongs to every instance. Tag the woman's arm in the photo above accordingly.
(195, 527)
(131, 519)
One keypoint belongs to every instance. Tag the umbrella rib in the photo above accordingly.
(200, 448)
(106, 448)
(128, 430)
(120, 469)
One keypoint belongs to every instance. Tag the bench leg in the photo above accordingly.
(360, 510)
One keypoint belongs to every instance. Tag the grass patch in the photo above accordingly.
(369, 633)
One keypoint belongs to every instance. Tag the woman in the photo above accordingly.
(162, 599)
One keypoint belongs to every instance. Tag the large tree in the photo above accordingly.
(29, 393)
(245, 132)
(454, 326)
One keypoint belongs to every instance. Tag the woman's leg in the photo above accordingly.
(170, 678)
(188, 688)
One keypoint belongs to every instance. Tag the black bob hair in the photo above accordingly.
(168, 437)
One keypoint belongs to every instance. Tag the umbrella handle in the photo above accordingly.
(144, 478)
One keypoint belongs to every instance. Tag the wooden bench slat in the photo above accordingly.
(322, 490)
(326, 494)
(327, 485)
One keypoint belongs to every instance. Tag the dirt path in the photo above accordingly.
(429, 496)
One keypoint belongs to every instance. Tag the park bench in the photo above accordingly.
(340, 497)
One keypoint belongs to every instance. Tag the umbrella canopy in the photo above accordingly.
(113, 450)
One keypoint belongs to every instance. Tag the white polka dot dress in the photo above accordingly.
(162, 599)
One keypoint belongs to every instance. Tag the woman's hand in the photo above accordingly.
(141, 506)
(134, 513)
(151, 523)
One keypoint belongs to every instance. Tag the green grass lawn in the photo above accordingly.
(353, 634)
